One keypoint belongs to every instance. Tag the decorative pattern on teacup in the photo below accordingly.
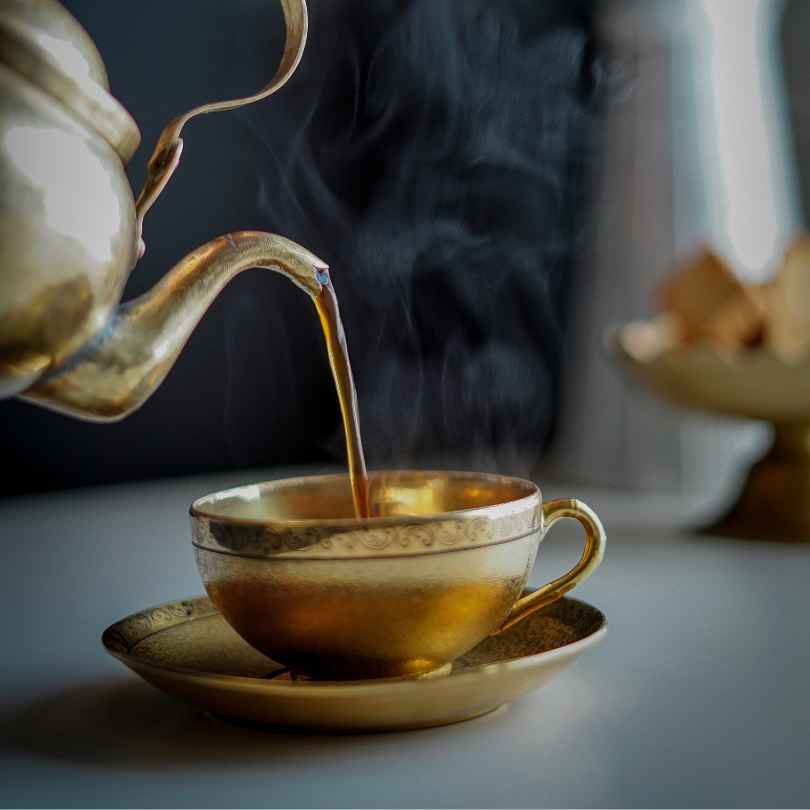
(401, 538)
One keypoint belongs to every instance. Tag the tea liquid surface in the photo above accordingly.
(329, 313)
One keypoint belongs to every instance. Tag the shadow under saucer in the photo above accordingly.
(122, 724)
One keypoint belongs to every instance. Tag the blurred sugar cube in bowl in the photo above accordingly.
(726, 348)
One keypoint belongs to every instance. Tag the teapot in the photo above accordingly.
(71, 229)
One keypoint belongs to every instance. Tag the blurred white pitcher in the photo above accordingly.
(697, 149)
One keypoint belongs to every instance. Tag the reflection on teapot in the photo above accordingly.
(70, 228)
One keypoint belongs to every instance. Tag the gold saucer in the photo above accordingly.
(188, 650)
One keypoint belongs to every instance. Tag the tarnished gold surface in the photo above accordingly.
(774, 503)
(70, 232)
(187, 649)
(441, 566)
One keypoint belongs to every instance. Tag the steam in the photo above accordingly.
(438, 171)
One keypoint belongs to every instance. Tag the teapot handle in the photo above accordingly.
(167, 151)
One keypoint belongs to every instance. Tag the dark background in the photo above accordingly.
(431, 151)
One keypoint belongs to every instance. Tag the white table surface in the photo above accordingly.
(699, 696)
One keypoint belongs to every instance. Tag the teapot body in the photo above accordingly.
(70, 229)
(67, 226)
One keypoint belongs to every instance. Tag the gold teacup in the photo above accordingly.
(441, 566)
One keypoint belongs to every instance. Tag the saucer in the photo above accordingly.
(188, 650)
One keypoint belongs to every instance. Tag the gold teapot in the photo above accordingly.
(70, 228)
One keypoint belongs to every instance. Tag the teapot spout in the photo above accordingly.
(118, 371)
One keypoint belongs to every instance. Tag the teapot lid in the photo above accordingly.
(45, 44)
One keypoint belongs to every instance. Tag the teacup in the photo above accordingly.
(441, 566)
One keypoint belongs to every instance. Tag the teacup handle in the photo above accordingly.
(595, 542)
